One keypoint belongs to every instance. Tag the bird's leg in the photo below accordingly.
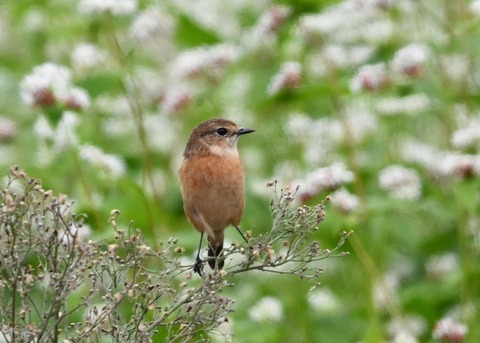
(197, 267)
(241, 234)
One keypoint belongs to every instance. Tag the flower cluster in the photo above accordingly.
(450, 330)
(409, 61)
(323, 179)
(51, 85)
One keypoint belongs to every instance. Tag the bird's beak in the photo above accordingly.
(244, 131)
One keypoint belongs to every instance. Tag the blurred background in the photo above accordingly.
(373, 102)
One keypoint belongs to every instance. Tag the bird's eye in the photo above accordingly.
(222, 131)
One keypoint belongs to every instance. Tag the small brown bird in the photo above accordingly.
(213, 184)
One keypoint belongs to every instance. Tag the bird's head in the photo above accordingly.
(215, 136)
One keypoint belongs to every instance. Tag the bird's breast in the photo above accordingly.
(220, 173)
(214, 186)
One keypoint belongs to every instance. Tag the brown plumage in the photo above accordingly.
(213, 183)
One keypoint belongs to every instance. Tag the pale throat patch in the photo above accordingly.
(228, 150)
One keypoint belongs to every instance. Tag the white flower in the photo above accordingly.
(152, 23)
(365, 22)
(263, 33)
(42, 128)
(456, 164)
(327, 178)
(272, 18)
(410, 104)
(359, 123)
(370, 77)
(45, 84)
(344, 57)
(109, 165)
(410, 60)
(332, 20)
(65, 135)
(425, 155)
(117, 7)
(50, 84)
(475, 7)
(288, 77)
(114, 106)
(216, 15)
(450, 330)
(467, 136)
(404, 337)
(8, 129)
(337, 56)
(444, 164)
(76, 99)
(86, 56)
(344, 200)
(161, 132)
(385, 291)
(402, 183)
(34, 19)
(175, 98)
(267, 309)
(55, 140)
(456, 67)
(209, 60)
(440, 266)
(376, 32)
(323, 300)
(298, 126)
(382, 4)
(406, 328)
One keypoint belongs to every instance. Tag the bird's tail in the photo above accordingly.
(215, 253)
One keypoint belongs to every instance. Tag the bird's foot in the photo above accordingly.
(198, 266)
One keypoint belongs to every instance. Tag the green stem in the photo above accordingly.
(138, 116)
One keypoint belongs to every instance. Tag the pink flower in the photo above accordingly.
(370, 77)
(449, 330)
(50, 84)
(410, 60)
(288, 77)
(175, 99)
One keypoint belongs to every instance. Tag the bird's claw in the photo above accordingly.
(198, 266)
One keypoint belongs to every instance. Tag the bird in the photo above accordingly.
(212, 181)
